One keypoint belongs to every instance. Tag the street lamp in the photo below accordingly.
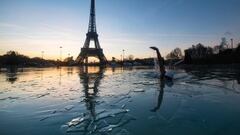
(42, 54)
(123, 54)
(61, 53)
(232, 43)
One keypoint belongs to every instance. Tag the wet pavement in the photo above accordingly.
(119, 101)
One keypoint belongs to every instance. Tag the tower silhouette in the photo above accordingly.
(92, 35)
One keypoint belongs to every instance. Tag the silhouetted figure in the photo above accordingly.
(161, 63)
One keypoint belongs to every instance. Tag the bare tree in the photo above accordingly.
(175, 54)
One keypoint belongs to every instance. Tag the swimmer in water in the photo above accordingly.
(161, 63)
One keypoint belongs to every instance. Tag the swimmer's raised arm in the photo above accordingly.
(160, 61)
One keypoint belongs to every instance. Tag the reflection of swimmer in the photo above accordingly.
(161, 62)
(162, 84)
(160, 96)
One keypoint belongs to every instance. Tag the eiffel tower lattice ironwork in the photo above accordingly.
(92, 35)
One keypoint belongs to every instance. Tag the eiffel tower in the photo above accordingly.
(92, 35)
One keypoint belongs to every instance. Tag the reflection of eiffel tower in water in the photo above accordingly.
(94, 79)
(92, 35)
(97, 119)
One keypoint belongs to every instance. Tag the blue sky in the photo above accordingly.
(32, 26)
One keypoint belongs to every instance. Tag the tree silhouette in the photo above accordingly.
(175, 54)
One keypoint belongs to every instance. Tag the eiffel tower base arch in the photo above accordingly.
(91, 52)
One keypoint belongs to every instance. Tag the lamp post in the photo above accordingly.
(42, 54)
(123, 54)
(232, 43)
(60, 53)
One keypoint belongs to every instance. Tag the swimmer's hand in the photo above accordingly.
(154, 48)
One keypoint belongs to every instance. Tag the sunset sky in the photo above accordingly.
(32, 26)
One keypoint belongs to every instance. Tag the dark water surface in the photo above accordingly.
(131, 101)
